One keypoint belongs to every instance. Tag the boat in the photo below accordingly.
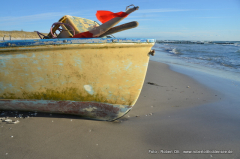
(96, 78)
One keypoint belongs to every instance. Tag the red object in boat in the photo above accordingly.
(104, 16)
(86, 34)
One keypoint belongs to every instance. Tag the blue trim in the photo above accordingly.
(37, 42)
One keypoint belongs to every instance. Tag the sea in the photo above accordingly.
(218, 58)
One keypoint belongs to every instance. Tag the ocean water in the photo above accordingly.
(219, 58)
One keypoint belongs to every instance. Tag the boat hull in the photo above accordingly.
(95, 80)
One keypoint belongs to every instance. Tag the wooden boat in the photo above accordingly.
(97, 78)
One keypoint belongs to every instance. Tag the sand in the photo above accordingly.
(174, 115)
(18, 35)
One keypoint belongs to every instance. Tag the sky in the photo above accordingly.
(217, 20)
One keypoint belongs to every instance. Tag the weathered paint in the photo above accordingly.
(76, 77)
(92, 110)
(65, 41)
(79, 24)
(89, 89)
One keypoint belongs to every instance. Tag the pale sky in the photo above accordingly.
(158, 19)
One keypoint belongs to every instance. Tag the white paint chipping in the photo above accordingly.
(89, 89)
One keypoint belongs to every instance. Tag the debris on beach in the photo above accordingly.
(151, 83)
(13, 122)
(9, 121)
(188, 87)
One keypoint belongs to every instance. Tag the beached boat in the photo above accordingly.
(97, 78)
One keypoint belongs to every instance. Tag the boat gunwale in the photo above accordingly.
(74, 46)
(70, 41)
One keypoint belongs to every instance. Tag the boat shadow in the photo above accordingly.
(28, 114)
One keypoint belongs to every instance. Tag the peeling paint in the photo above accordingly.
(15, 43)
(89, 89)
(129, 65)
(78, 62)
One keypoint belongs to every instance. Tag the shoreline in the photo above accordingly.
(173, 112)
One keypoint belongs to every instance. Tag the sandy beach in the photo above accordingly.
(174, 117)
(18, 35)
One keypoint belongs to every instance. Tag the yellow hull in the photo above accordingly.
(97, 76)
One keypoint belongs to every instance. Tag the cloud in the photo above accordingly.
(29, 18)
(210, 17)
(163, 10)
(55, 16)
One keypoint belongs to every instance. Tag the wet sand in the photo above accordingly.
(174, 117)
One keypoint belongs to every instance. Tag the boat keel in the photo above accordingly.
(92, 110)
